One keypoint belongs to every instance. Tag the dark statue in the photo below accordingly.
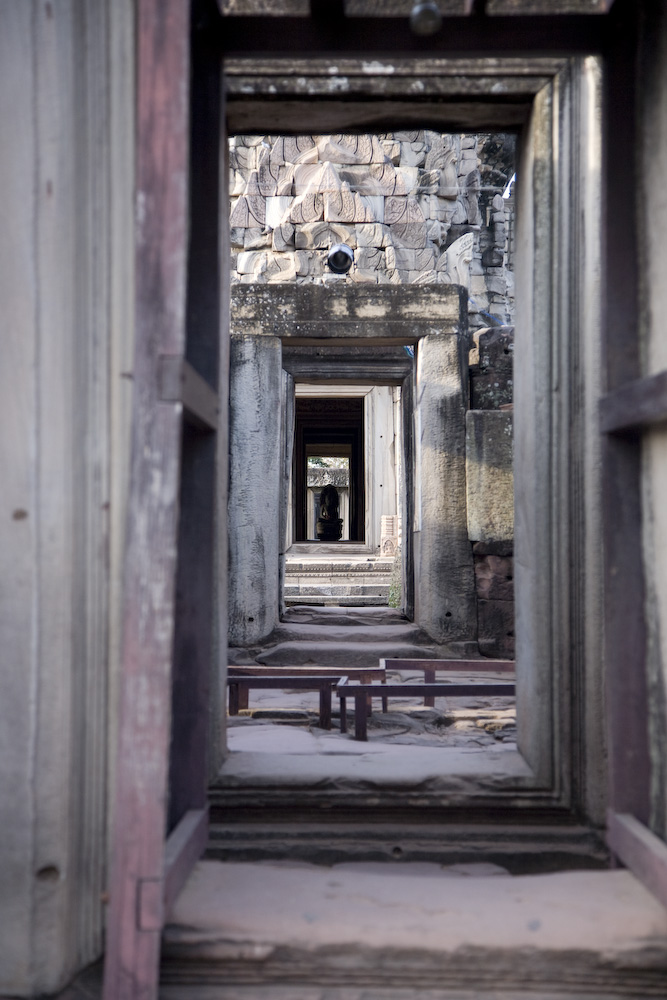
(329, 525)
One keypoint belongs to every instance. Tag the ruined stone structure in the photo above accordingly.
(415, 207)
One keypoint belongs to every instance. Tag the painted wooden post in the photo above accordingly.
(136, 884)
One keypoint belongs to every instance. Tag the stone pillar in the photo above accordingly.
(444, 576)
(254, 487)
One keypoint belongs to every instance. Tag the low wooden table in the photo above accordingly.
(363, 692)
(431, 667)
(238, 696)
(323, 683)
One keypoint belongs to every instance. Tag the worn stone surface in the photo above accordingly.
(492, 368)
(426, 928)
(489, 475)
(495, 619)
(494, 577)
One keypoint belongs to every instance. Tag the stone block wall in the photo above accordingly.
(416, 207)
(489, 479)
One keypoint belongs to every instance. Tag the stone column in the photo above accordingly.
(254, 487)
(444, 575)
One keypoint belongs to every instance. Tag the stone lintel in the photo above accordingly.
(350, 312)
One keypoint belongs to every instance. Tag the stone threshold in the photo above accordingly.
(406, 930)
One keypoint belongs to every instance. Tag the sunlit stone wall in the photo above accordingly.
(414, 206)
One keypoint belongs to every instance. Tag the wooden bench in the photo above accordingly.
(323, 683)
(239, 698)
(363, 692)
(431, 667)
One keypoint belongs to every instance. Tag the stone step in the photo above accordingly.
(279, 930)
(344, 590)
(343, 617)
(324, 600)
(348, 654)
(328, 568)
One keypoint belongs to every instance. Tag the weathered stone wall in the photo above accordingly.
(416, 207)
(489, 485)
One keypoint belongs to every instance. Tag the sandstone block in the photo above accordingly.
(281, 268)
(283, 237)
(369, 259)
(250, 210)
(409, 260)
(275, 179)
(308, 263)
(307, 208)
(340, 206)
(495, 627)
(428, 181)
(256, 239)
(238, 218)
(413, 154)
(409, 135)
(428, 277)
(299, 149)
(410, 235)
(391, 149)
(363, 276)
(323, 235)
(251, 262)
(277, 211)
(243, 158)
(402, 210)
(370, 234)
(494, 577)
(489, 475)
(368, 208)
(237, 183)
(236, 236)
(306, 177)
(350, 149)
(406, 180)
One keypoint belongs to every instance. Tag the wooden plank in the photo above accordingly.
(132, 953)
(635, 405)
(180, 383)
(372, 673)
(184, 847)
(362, 693)
(403, 8)
(454, 666)
(640, 850)
(257, 115)
(625, 636)
(545, 7)
(478, 37)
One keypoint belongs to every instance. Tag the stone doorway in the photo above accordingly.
(359, 428)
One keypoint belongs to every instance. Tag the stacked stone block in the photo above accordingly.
(415, 206)
(489, 459)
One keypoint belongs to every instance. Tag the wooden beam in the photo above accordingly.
(635, 405)
(545, 7)
(477, 37)
(644, 854)
(185, 845)
(178, 382)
